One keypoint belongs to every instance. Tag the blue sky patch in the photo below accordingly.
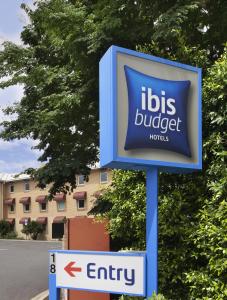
(17, 155)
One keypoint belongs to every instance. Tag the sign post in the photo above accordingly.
(152, 232)
(54, 292)
(150, 120)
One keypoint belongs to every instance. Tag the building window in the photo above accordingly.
(81, 180)
(26, 207)
(103, 177)
(11, 188)
(26, 186)
(80, 204)
(43, 206)
(11, 208)
(61, 205)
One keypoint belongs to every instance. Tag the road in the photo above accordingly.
(24, 268)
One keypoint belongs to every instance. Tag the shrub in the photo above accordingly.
(5, 228)
(11, 235)
(154, 297)
(33, 229)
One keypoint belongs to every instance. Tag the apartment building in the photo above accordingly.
(21, 202)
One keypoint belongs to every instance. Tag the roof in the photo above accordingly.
(13, 177)
(6, 177)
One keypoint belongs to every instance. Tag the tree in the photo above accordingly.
(58, 66)
(34, 229)
(59, 70)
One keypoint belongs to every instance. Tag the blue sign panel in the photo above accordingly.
(157, 115)
(150, 112)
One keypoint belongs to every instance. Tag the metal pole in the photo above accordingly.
(152, 232)
(54, 292)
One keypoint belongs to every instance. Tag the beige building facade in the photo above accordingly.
(21, 202)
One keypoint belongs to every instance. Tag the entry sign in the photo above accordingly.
(110, 272)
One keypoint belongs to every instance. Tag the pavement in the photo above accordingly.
(24, 268)
(45, 296)
(41, 296)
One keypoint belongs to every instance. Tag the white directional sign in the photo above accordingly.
(108, 272)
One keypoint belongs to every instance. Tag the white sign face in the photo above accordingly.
(110, 273)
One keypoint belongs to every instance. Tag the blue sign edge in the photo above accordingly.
(99, 291)
(126, 253)
(108, 116)
(138, 254)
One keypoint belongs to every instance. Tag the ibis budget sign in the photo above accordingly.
(101, 271)
(150, 111)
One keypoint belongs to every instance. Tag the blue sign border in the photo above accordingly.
(108, 116)
(138, 254)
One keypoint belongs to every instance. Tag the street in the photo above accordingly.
(24, 268)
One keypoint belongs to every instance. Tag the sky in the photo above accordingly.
(17, 155)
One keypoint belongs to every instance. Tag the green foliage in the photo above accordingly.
(34, 229)
(157, 297)
(5, 228)
(210, 238)
(125, 204)
(130, 298)
(154, 297)
(11, 235)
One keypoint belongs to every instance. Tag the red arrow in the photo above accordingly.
(69, 269)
